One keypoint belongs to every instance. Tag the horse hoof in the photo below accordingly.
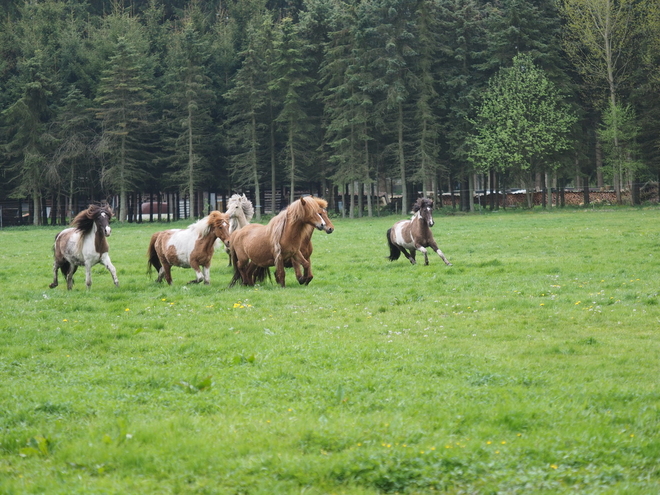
(449, 264)
(53, 285)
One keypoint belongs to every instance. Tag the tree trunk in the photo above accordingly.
(402, 164)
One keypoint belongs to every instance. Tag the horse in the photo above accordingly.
(240, 211)
(306, 249)
(192, 247)
(256, 247)
(84, 244)
(414, 234)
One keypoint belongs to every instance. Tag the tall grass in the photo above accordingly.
(530, 366)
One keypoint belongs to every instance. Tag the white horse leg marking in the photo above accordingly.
(443, 257)
(105, 260)
(88, 275)
(423, 250)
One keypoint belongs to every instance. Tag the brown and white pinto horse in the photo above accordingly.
(414, 234)
(256, 247)
(84, 244)
(188, 248)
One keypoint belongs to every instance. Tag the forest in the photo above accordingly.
(346, 99)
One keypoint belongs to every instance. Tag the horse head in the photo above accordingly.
(326, 223)
(103, 220)
(95, 215)
(219, 223)
(424, 207)
(317, 214)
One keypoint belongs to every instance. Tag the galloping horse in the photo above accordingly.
(256, 247)
(188, 248)
(240, 211)
(84, 244)
(414, 234)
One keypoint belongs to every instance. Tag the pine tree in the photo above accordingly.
(124, 115)
(291, 84)
(247, 101)
(189, 88)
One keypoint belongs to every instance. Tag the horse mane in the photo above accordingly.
(215, 218)
(422, 203)
(201, 228)
(84, 221)
(241, 216)
(298, 211)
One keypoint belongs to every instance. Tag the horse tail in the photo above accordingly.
(233, 257)
(395, 252)
(152, 255)
(260, 274)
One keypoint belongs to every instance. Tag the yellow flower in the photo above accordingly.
(553, 466)
(127, 309)
(65, 319)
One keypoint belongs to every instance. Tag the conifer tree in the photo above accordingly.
(124, 114)
(291, 84)
(247, 101)
(189, 89)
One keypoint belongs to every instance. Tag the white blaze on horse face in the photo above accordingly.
(108, 230)
(322, 221)
(431, 222)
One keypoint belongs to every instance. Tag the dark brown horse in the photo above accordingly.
(414, 234)
(188, 248)
(257, 247)
(84, 244)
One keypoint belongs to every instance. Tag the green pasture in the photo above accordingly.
(530, 366)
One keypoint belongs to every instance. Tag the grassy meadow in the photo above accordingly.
(530, 366)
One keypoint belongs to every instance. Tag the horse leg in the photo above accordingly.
(306, 277)
(411, 256)
(105, 261)
(198, 272)
(88, 275)
(279, 271)
(435, 248)
(69, 276)
(423, 250)
(165, 272)
(56, 268)
(206, 271)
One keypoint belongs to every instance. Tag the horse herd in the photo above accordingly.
(286, 241)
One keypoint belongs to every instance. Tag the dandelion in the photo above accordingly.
(542, 304)
(553, 466)
(488, 442)
(127, 309)
(578, 303)
(503, 442)
(65, 319)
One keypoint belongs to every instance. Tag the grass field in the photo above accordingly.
(530, 366)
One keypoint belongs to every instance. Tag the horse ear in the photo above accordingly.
(302, 201)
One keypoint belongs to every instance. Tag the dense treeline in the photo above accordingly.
(105, 98)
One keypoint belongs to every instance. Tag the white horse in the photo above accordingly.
(84, 244)
(240, 211)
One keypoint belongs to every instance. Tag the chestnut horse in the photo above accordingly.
(306, 250)
(257, 247)
(188, 248)
(84, 244)
(414, 234)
